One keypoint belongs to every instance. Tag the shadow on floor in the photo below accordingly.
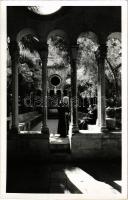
(104, 171)
(36, 177)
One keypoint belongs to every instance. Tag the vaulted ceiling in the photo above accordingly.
(102, 20)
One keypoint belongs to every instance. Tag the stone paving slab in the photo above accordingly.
(87, 178)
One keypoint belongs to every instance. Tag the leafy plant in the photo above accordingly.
(57, 52)
(86, 64)
(113, 65)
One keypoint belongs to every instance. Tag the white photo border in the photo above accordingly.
(3, 95)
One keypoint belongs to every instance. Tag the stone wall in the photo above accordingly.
(83, 146)
(96, 146)
(28, 147)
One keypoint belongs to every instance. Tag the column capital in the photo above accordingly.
(43, 47)
(43, 51)
(74, 46)
(74, 52)
(101, 52)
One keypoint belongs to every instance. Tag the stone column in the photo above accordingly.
(14, 52)
(44, 56)
(101, 54)
(74, 100)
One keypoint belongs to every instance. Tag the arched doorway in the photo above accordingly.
(87, 77)
(113, 81)
(58, 67)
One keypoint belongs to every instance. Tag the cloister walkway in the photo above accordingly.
(57, 144)
(91, 178)
(94, 178)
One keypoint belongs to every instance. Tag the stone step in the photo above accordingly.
(59, 144)
(93, 128)
(60, 157)
(59, 148)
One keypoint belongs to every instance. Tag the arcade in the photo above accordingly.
(64, 57)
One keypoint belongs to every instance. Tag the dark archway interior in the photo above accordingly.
(101, 20)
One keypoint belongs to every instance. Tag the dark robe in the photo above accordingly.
(62, 124)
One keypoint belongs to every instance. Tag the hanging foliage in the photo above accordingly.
(86, 64)
(30, 63)
(113, 64)
(30, 42)
(58, 54)
(114, 52)
(31, 68)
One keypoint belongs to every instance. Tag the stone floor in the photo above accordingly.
(90, 178)
(52, 125)
(56, 142)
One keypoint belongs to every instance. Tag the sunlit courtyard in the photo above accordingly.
(64, 103)
(94, 179)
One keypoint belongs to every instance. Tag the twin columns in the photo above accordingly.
(100, 57)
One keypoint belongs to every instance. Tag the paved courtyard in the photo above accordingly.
(90, 178)
(60, 176)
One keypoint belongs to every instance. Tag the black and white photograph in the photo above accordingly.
(64, 102)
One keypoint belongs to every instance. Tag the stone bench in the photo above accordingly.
(28, 124)
(26, 121)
